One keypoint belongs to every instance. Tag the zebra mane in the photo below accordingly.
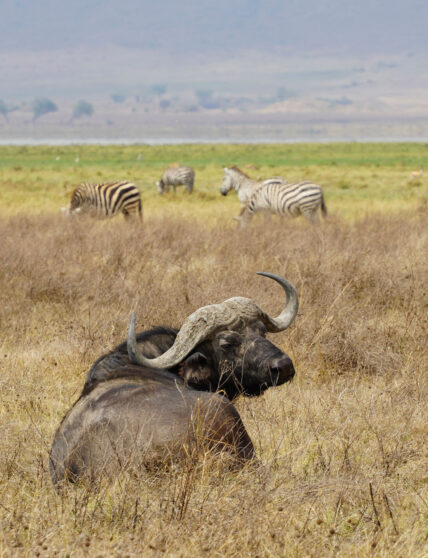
(237, 169)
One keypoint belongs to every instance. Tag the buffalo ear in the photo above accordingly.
(196, 371)
(195, 360)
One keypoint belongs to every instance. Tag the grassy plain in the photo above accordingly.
(357, 177)
(343, 468)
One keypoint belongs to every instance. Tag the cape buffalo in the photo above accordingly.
(149, 400)
(221, 347)
(142, 418)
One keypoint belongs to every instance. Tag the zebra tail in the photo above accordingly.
(323, 206)
(140, 210)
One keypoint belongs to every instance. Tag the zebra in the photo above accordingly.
(106, 199)
(282, 198)
(176, 176)
(234, 178)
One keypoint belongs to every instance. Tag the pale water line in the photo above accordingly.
(186, 141)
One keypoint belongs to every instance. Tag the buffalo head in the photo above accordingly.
(223, 346)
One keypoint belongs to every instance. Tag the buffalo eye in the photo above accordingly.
(228, 340)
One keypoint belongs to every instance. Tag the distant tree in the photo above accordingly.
(159, 89)
(164, 104)
(43, 106)
(82, 108)
(333, 103)
(283, 93)
(190, 108)
(3, 109)
(6, 109)
(204, 96)
(117, 98)
(343, 101)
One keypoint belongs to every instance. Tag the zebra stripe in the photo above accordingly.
(180, 176)
(236, 179)
(106, 199)
(276, 196)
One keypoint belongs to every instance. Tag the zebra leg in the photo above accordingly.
(239, 216)
(134, 214)
(244, 217)
(323, 206)
(312, 216)
(241, 223)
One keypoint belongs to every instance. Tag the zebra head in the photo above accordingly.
(229, 181)
(233, 179)
(236, 314)
(160, 186)
(67, 210)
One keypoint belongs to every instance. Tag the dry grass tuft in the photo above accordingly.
(342, 467)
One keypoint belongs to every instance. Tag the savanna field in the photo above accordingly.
(342, 464)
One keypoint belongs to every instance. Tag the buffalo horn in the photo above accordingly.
(233, 314)
(289, 312)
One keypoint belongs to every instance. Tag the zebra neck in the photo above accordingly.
(245, 183)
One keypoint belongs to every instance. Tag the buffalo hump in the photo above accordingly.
(143, 418)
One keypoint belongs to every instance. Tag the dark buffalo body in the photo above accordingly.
(132, 415)
(142, 417)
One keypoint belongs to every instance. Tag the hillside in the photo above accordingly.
(381, 26)
(177, 68)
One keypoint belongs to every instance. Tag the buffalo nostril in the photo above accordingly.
(282, 369)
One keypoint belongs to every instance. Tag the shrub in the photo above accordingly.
(3, 109)
(43, 106)
(117, 98)
(82, 108)
(159, 89)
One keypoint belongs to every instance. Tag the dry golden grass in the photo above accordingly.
(343, 468)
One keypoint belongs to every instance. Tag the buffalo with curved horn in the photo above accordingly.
(221, 347)
(141, 407)
(234, 314)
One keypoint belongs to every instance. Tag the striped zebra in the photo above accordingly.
(176, 176)
(283, 198)
(106, 199)
(236, 179)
